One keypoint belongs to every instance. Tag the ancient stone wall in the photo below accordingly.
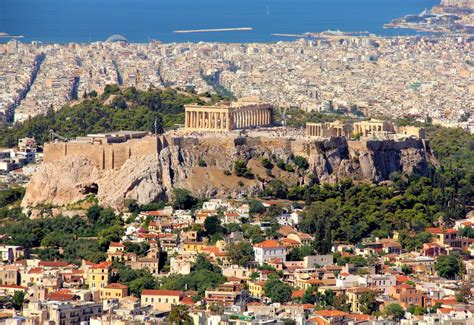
(105, 156)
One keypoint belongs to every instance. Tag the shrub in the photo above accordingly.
(281, 164)
(241, 170)
(301, 162)
(266, 163)
(202, 163)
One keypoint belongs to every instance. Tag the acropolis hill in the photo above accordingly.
(145, 167)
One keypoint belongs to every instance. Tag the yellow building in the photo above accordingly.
(193, 246)
(160, 300)
(114, 291)
(306, 282)
(256, 289)
(99, 275)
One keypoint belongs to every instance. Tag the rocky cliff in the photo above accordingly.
(153, 176)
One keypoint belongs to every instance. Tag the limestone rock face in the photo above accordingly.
(60, 183)
(148, 178)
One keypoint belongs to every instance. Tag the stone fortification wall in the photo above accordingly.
(105, 156)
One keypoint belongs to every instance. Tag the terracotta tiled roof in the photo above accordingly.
(35, 270)
(156, 213)
(433, 230)
(114, 244)
(175, 293)
(297, 294)
(286, 230)
(53, 264)
(116, 286)
(103, 265)
(360, 317)
(61, 296)
(187, 301)
(12, 286)
(269, 244)
(289, 242)
(331, 313)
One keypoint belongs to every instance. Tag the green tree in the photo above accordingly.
(140, 249)
(241, 170)
(298, 253)
(17, 300)
(394, 312)
(213, 225)
(301, 162)
(256, 207)
(111, 234)
(277, 189)
(367, 302)
(183, 199)
(448, 266)
(240, 253)
(340, 303)
(277, 291)
(179, 315)
(266, 163)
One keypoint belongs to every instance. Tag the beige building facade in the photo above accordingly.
(227, 116)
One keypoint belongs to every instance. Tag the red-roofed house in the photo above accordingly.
(99, 275)
(329, 317)
(269, 250)
(448, 237)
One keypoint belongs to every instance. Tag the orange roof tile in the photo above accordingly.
(269, 244)
(103, 265)
(35, 270)
(331, 313)
(116, 286)
(187, 301)
(148, 292)
(53, 264)
(297, 294)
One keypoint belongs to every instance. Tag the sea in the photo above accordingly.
(65, 21)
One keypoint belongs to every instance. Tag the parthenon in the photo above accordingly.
(227, 116)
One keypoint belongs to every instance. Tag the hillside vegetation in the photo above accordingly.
(116, 109)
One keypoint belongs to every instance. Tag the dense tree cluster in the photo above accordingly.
(204, 276)
(116, 109)
(76, 235)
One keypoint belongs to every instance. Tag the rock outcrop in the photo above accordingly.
(151, 177)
